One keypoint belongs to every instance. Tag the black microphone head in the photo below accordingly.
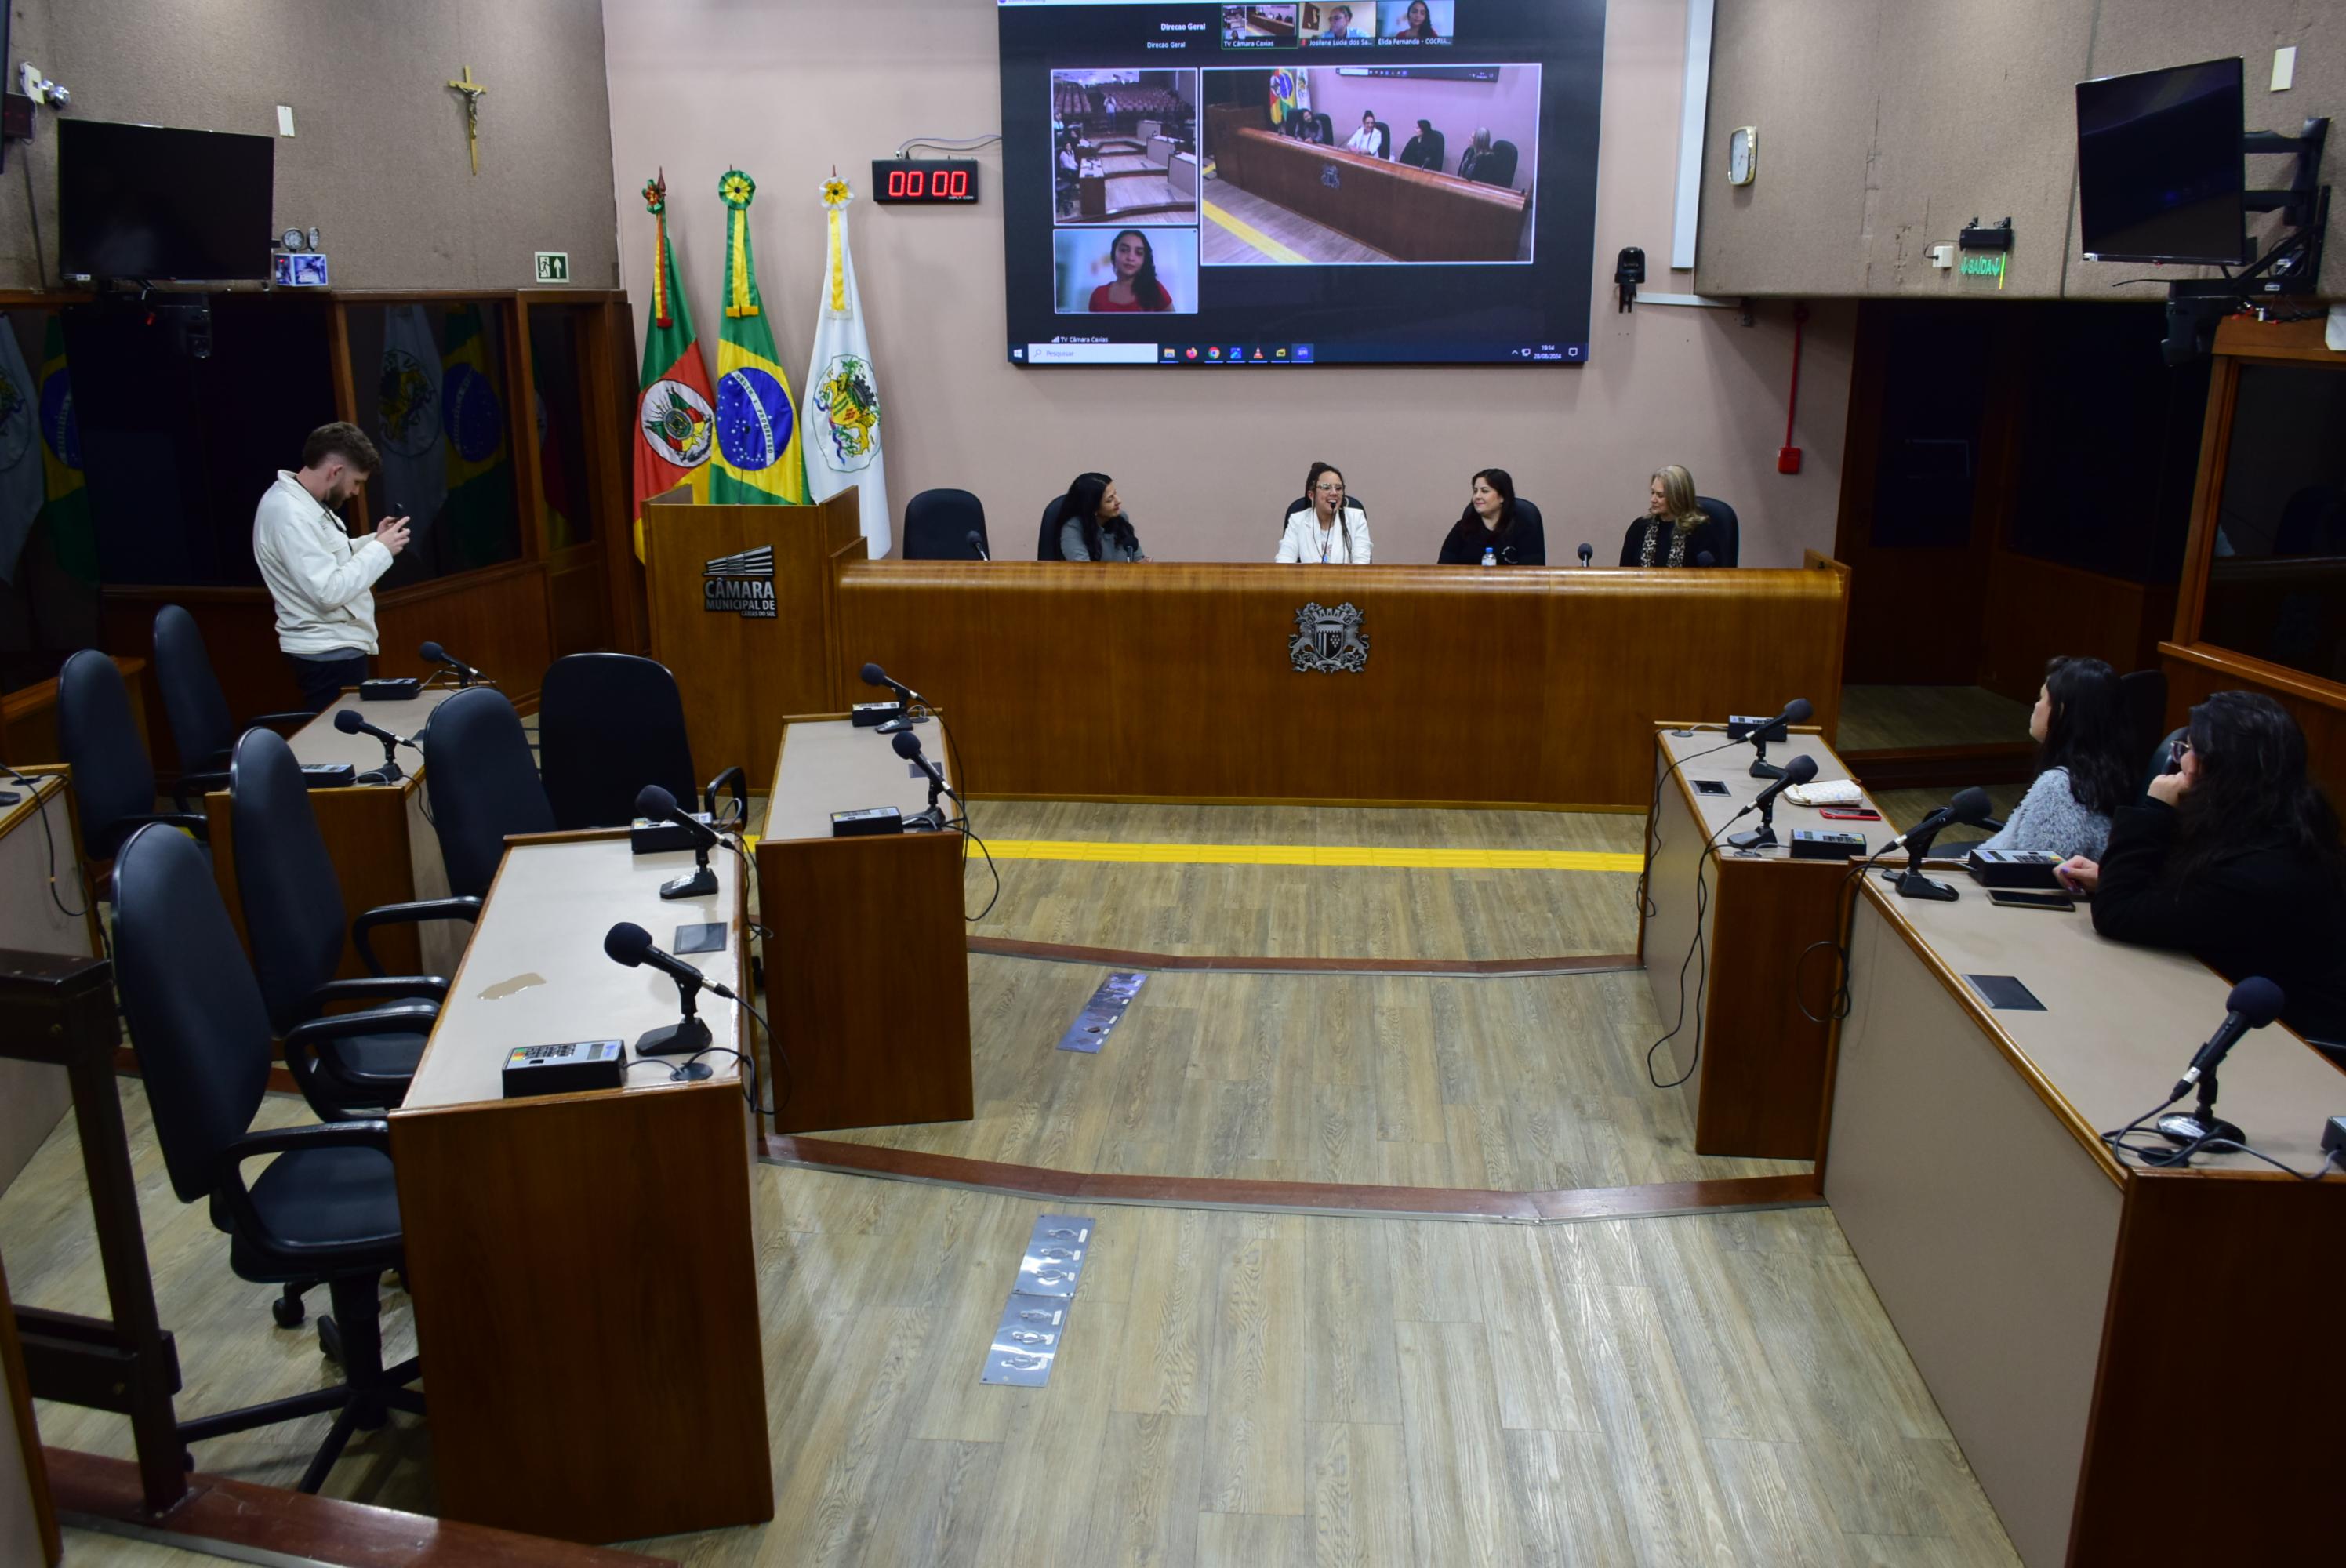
(626, 942)
(655, 802)
(1705, 558)
(433, 653)
(907, 745)
(1971, 807)
(1586, 553)
(1797, 711)
(875, 675)
(349, 721)
(2256, 999)
(1800, 769)
(973, 540)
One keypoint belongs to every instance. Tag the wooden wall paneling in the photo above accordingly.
(580, 616)
(2243, 1245)
(521, 429)
(611, 382)
(28, 717)
(1763, 1080)
(345, 376)
(1175, 680)
(2207, 496)
(2036, 609)
(494, 619)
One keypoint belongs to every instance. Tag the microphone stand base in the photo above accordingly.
(695, 884)
(2187, 1127)
(1915, 885)
(898, 726)
(684, 1037)
(1763, 768)
(1760, 838)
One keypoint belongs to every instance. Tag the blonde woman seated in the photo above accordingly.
(1328, 531)
(1675, 530)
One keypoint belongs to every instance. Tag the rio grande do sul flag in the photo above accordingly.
(757, 456)
(842, 396)
(676, 408)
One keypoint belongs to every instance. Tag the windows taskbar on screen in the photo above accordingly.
(1225, 352)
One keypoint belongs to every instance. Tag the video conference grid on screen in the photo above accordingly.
(1369, 182)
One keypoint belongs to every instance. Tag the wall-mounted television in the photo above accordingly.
(1309, 183)
(159, 204)
(2160, 175)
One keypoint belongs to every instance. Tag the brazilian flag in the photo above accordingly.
(757, 454)
(479, 511)
(65, 512)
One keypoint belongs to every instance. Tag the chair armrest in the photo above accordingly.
(463, 909)
(228, 1182)
(304, 1059)
(292, 720)
(193, 822)
(376, 988)
(740, 783)
(196, 784)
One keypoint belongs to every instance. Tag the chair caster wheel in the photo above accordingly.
(289, 1311)
(330, 1340)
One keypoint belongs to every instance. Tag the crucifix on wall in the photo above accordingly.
(472, 91)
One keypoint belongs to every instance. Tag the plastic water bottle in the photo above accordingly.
(1490, 557)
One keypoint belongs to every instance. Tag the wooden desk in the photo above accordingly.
(867, 971)
(2109, 1344)
(33, 1095)
(1755, 1068)
(383, 848)
(1410, 214)
(584, 1266)
(1531, 686)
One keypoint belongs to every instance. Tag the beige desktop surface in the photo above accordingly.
(2120, 1023)
(828, 765)
(319, 741)
(1732, 767)
(535, 973)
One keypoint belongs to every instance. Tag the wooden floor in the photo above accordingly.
(1235, 1389)
(1153, 190)
(1883, 718)
(1298, 239)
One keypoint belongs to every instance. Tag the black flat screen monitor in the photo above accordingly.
(159, 204)
(1301, 184)
(2159, 171)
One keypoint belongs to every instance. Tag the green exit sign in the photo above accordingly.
(554, 266)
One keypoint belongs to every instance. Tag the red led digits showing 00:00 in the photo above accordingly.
(953, 183)
(904, 182)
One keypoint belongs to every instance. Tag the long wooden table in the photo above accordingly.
(383, 846)
(1749, 1062)
(2113, 1345)
(1165, 681)
(585, 1266)
(867, 971)
(1410, 214)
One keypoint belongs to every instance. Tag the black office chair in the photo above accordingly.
(326, 1207)
(1047, 544)
(482, 785)
(1303, 503)
(607, 725)
(1327, 129)
(202, 727)
(2142, 699)
(1384, 139)
(113, 781)
(1499, 168)
(938, 523)
(292, 900)
(1729, 532)
(1436, 147)
(2156, 765)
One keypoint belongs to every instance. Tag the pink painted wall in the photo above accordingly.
(1207, 460)
(1509, 106)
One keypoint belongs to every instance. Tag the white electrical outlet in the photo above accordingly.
(2284, 68)
(1943, 256)
(285, 119)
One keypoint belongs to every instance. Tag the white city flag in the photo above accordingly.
(414, 478)
(842, 430)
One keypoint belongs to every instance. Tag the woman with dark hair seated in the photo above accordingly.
(1675, 531)
(2085, 774)
(1494, 528)
(2234, 858)
(1092, 522)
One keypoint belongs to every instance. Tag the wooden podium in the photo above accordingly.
(742, 612)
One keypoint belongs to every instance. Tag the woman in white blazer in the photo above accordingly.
(1327, 532)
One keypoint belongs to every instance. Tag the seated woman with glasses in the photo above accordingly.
(1327, 530)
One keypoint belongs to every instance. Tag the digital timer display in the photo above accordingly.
(922, 182)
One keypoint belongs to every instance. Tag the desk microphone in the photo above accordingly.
(977, 542)
(1588, 554)
(1795, 711)
(1705, 558)
(350, 721)
(1970, 807)
(908, 747)
(658, 804)
(433, 653)
(630, 944)
(1798, 770)
(2253, 1003)
(875, 675)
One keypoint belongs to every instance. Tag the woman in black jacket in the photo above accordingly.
(2235, 858)
(1495, 522)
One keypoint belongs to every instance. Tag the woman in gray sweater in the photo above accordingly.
(2084, 774)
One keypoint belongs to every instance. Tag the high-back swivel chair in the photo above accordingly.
(607, 725)
(202, 727)
(483, 786)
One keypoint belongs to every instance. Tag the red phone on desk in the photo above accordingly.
(1849, 814)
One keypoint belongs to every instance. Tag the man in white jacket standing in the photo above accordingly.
(322, 579)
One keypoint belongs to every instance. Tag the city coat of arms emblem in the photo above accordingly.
(1329, 641)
